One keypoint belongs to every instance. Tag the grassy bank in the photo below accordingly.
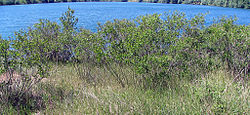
(154, 64)
(213, 94)
(223, 3)
(65, 93)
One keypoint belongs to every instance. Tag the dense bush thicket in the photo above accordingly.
(176, 47)
(224, 3)
(158, 47)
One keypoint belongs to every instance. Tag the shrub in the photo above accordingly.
(158, 47)
(174, 46)
(16, 83)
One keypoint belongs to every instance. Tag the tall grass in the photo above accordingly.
(65, 92)
(216, 93)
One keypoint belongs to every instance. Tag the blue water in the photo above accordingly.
(16, 17)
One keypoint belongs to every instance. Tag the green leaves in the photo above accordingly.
(154, 45)
(68, 20)
(173, 45)
(4, 55)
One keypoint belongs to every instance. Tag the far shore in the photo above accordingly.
(144, 1)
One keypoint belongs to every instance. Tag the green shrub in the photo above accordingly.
(16, 82)
(158, 47)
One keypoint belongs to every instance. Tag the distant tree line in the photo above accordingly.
(17, 2)
(224, 3)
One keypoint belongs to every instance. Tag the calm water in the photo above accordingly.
(14, 18)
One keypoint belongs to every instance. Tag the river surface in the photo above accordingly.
(16, 17)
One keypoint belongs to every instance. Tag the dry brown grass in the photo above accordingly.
(14, 76)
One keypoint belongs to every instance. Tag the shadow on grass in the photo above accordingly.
(19, 101)
(43, 96)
